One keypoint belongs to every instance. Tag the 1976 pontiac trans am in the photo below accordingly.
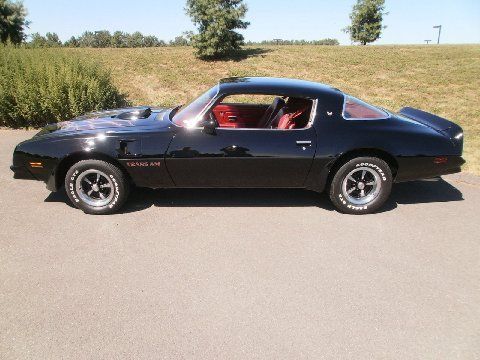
(244, 133)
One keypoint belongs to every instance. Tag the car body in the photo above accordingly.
(209, 149)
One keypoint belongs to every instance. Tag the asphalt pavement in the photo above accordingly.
(239, 274)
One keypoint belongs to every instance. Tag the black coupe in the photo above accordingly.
(244, 133)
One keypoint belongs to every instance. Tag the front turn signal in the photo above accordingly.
(36, 165)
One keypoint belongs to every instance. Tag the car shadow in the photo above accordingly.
(414, 192)
(142, 198)
(422, 191)
(242, 54)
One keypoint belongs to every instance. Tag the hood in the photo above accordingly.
(107, 119)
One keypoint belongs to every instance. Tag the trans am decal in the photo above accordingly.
(143, 163)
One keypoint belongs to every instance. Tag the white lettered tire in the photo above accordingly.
(361, 185)
(96, 187)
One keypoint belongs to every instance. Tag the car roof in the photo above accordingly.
(275, 86)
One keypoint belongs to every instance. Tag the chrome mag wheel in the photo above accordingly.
(94, 187)
(361, 185)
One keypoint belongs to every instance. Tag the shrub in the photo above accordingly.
(41, 86)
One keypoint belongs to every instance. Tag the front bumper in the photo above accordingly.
(21, 172)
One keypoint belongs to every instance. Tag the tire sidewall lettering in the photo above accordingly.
(117, 192)
(377, 168)
(71, 186)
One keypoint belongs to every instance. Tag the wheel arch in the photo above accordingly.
(68, 161)
(351, 154)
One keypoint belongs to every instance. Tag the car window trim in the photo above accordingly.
(356, 119)
(310, 122)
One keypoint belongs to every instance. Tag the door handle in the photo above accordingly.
(304, 143)
(232, 118)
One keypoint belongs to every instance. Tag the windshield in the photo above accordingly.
(188, 115)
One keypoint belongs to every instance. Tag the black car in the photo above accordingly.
(244, 133)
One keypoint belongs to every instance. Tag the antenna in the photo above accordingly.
(439, 27)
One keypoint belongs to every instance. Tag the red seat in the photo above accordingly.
(286, 122)
(295, 108)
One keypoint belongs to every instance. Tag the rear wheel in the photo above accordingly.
(361, 185)
(96, 187)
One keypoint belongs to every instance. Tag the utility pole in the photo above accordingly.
(439, 27)
(427, 41)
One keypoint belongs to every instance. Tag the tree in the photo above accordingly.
(72, 42)
(179, 41)
(367, 17)
(49, 40)
(52, 40)
(37, 40)
(12, 21)
(135, 40)
(119, 39)
(102, 39)
(151, 41)
(216, 21)
(87, 39)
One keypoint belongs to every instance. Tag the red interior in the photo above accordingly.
(239, 115)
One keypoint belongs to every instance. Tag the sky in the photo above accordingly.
(408, 21)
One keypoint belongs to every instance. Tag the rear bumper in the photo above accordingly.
(422, 167)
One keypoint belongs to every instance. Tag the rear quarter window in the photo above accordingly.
(356, 109)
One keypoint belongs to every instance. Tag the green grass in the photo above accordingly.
(444, 79)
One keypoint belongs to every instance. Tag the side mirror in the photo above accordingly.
(209, 127)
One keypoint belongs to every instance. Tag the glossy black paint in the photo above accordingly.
(250, 158)
(156, 153)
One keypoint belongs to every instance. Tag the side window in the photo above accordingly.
(261, 111)
(242, 110)
(355, 109)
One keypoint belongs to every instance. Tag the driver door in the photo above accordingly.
(241, 157)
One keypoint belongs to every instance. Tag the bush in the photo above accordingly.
(41, 86)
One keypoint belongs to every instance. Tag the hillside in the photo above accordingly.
(441, 79)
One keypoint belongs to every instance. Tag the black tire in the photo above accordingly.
(96, 187)
(361, 185)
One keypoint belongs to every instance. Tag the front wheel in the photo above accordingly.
(361, 185)
(96, 187)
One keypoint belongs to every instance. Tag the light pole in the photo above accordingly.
(439, 27)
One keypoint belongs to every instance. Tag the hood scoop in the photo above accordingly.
(134, 114)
